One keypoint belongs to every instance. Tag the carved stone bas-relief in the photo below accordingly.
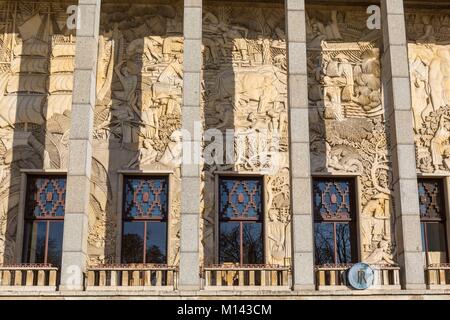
(245, 99)
(37, 54)
(347, 120)
(138, 109)
(429, 62)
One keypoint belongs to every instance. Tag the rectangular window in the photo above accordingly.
(432, 220)
(145, 212)
(334, 221)
(44, 219)
(241, 220)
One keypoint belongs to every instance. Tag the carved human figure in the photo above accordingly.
(277, 235)
(428, 30)
(377, 213)
(439, 143)
(381, 254)
(439, 78)
(238, 39)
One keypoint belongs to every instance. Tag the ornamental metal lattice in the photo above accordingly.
(332, 199)
(145, 197)
(240, 198)
(430, 199)
(46, 196)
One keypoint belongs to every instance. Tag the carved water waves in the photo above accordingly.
(36, 67)
(244, 90)
(347, 120)
(138, 108)
(429, 60)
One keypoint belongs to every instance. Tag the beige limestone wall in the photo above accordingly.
(37, 53)
(138, 108)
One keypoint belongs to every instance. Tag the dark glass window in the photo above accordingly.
(44, 219)
(432, 220)
(334, 222)
(145, 211)
(241, 220)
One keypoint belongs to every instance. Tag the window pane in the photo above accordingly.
(436, 237)
(55, 238)
(240, 198)
(156, 242)
(145, 197)
(133, 242)
(35, 241)
(45, 196)
(343, 243)
(253, 243)
(422, 233)
(229, 242)
(324, 243)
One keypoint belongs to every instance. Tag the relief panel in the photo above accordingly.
(37, 54)
(429, 63)
(244, 95)
(347, 119)
(138, 110)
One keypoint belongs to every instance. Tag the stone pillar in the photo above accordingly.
(302, 223)
(397, 90)
(74, 257)
(189, 278)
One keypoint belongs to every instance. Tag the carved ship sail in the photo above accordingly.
(30, 65)
(31, 48)
(63, 50)
(20, 109)
(62, 64)
(58, 103)
(27, 83)
(61, 82)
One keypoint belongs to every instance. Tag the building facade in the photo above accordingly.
(208, 149)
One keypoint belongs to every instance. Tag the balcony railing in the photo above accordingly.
(259, 277)
(438, 275)
(132, 277)
(334, 277)
(36, 277)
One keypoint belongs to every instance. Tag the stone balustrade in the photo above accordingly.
(132, 277)
(248, 277)
(334, 277)
(438, 275)
(28, 276)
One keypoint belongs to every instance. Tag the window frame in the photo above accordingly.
(352, 221)
(123, 219)
(443, 220)
(241, 221)
(24, 218)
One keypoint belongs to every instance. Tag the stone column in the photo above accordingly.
(302, 223)
(74, 257)
(397, 90)
(189, 278)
